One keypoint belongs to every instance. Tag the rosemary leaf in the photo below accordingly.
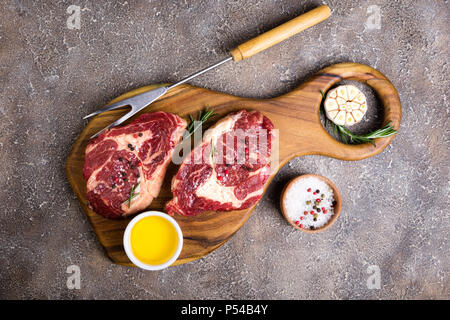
(202, 117)
(132, 194)
(323, 94)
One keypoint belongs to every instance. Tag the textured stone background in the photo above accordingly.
(396, 204)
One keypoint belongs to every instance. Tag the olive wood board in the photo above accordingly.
(295, 115)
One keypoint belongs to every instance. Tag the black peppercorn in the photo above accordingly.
(140, 134)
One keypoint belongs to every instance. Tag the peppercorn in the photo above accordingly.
(317, 191)
(120, 159)
(322, 196)
(309, 190)
(308, 202)
(318, 209)
(140, 134)
(130, 146)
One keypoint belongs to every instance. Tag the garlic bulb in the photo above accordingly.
(345, 105)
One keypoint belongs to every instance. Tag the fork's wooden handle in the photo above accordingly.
(280, 33)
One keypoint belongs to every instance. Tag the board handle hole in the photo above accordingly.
(373, 119)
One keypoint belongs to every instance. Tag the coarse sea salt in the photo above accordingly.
(295, 202)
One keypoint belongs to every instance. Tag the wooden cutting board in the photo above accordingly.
(295, 115)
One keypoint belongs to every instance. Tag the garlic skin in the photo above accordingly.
(345, 105)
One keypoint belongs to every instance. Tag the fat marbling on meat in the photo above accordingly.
(132, 156)
(228, 169)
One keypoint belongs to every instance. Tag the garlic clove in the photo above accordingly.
(349, 120)
(333, 94)
(332, 114)
(352, 92)
(355, 106)
(358, 115)
(342, 92)
(341, 102)
(340, 118)
(360, 98)
(331, 104)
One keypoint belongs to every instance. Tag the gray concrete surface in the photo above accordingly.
(396, 205)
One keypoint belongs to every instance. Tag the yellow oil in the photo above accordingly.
(154, 240)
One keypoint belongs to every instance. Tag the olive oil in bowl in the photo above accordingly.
(153, 240)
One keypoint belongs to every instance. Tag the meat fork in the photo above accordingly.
(243, 51)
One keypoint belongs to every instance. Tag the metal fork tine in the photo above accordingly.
(137, 103)
(117, 105)
(117, 122)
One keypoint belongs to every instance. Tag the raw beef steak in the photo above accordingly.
(228, 170)
(130, 162)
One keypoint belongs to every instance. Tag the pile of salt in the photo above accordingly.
(309, 203)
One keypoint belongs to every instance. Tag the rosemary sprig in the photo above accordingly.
(202, 117)
(384, 132)
(132, 194)
(350, 138)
